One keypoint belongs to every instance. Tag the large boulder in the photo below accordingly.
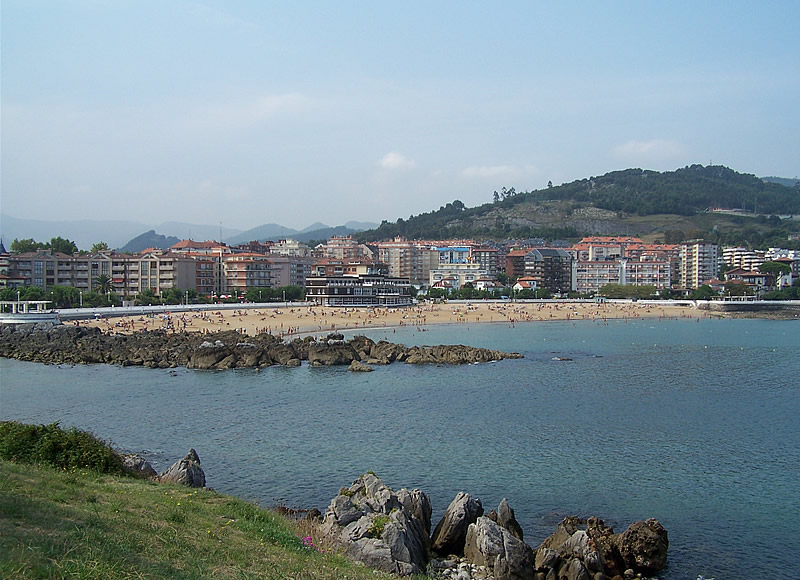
(643, 546)
(186, 471)
(489, 544)
(451, 531)
(209, 354)
(138, 466)
(380, 528)
(331, 353)
(359, 367)
(387, 351)
(283, 354)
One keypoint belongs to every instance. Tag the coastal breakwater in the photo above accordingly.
(65, 344)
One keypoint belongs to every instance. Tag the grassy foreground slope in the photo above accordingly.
(57, 523)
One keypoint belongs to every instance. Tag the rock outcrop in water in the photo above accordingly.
(390, 531)
(66, 344)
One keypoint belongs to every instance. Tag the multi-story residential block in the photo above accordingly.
(743, 258)
(247, 270)
(457, 274)
(699, 262)
(551, 268)
(412, 260)
(359, 290)
(159, 271)
(611, 260)
(343, 248)
(290, 247)
(290, 270)
(515, 262)
(454, 254)
(488, 258)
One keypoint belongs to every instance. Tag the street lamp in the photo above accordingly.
(81, 297)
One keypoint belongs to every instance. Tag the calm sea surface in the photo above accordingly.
(693, 423)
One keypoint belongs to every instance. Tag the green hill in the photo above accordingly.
(668, 206)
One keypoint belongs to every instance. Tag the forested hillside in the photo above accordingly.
(668, 206)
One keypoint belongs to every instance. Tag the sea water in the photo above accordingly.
(694, 423)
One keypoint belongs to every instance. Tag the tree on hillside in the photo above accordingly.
(26, 245)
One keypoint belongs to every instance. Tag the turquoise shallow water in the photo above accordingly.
(693, 423)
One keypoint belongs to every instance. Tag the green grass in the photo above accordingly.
(78, 523)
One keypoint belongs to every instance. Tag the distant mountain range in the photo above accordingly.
(131, 236)
(316, 231)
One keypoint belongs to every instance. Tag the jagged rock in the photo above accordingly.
(379, 527)
(488, 544)
(249, 354)
(383, 350)
(451, 531)
(573, 570)
(186, 471)
(643, 546)
(360, 367)
(507, 519)
(138, 465)
(283, 354)
(208, 354)
(363, 346)
(325, 354)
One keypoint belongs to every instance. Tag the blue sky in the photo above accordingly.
(252, 112)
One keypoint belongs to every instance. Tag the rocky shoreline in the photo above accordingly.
(391, 531)
(66, 344)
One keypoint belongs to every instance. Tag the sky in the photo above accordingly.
(252, 112)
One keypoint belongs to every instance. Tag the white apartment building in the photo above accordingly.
(699, 262)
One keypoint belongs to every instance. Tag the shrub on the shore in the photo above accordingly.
(67, 449)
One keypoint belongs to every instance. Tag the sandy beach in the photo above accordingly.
(294, 321)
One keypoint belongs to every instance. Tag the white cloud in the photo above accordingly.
(487, 171)
(651, 151)
(394, 160)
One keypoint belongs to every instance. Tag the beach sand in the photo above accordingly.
(293, 321)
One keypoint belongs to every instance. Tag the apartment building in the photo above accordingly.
(343, 248)
(699, 262)
(743, 258)
(246, 270)
(490, 259)
(603, 260)
(457, 274)
(411, 260)
(290, 247)
(551, 268)
(290, 270)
